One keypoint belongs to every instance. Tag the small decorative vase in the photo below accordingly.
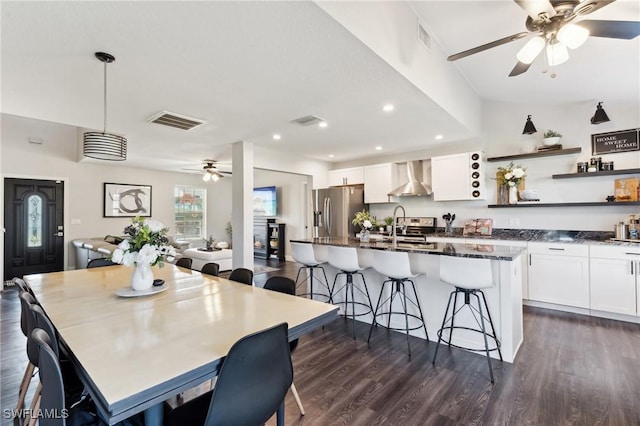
(365, 235)
(503, 195)
(448, 229)
(513, 195)
(142, 277)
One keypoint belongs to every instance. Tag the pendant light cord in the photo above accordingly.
(104, 129)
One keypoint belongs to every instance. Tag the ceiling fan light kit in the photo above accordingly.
(557, 54)
(572, 36)
(550, 24)
(600, 116)
(529, 128)
(531, 50)
(105, 146)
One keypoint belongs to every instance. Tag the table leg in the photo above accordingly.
(153, 416)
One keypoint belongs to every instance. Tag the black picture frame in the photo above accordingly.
(126, 200)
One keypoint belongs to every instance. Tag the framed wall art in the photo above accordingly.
(127, 200)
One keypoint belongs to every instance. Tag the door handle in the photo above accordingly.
(557, 249)
(58, 234)
(632, 267)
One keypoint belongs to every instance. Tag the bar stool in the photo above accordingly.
(303, 253)
(345, 259)
(395, 265)
(469, 276)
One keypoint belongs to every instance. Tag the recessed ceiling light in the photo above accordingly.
(378, 148)
(323, 124)
(330, 155)
(438, 137)
(276, 137)
(388, 107)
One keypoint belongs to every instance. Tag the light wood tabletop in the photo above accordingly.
(132, 353)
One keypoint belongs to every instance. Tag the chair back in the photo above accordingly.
(303, 253)
(287, 286)
(392, 264)
(344, 258)
(26, 301)
(465, 272)
(52, 394)
(99, 262)
(253, 380)
(242, 275)
(44, 323)
(184, 262)
(211, 268)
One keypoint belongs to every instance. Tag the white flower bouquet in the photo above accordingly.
(511, 175)
(146, 244)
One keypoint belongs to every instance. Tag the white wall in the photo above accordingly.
(503, 124)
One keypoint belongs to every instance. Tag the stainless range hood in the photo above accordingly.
(413, 186)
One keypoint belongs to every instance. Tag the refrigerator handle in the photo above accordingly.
(327, 216)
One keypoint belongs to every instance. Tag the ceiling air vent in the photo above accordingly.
(178, 121)
(424, 37)
(307, 120)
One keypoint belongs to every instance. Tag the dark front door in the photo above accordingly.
(34, 232)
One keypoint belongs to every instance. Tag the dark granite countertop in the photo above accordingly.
(478, 251)
(540, 235)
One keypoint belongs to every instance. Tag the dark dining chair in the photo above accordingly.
(287, 286)
(211, 268)
(184, 262)
(97, 263)
(52, 397)
(27, 324)
(251, 386)
(242, 275)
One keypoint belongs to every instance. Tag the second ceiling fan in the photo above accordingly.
(550, 25)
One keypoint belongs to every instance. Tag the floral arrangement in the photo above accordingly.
(363, 219)
(511, 175)
(146, 243)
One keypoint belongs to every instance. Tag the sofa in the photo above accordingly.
(87, 249)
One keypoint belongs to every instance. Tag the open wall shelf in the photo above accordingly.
(592, 174)
(549, 153)
(585, 204)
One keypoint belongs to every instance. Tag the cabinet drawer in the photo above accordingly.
(559, 249)
(615, 252)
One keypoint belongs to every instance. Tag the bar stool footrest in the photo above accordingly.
(489, 336)
(352, 304)
(313, 295)
(376, 322)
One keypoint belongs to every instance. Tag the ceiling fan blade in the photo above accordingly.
(488, 46)
(520, 68)
(611, 29)
(535, 8)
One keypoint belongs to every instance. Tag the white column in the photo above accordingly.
(242, 205)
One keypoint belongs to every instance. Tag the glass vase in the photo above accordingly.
(364, 236)
(503, 195)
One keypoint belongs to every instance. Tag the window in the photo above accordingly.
(34, 226)
(189, 208)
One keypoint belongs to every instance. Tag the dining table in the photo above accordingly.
(133, 351)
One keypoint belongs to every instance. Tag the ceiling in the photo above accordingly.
(250, 68)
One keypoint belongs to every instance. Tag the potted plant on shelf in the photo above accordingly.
(389, 222)
(551, 137)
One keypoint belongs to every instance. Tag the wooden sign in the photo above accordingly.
(613, 142)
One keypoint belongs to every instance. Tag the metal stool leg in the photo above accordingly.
(327, 282)
(424, 324)
(374, 322)
(353, 306)
(453, 316)
(484, 335)
(400, 284)
(493, 329)
(444, 320)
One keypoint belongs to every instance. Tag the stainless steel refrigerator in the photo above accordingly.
(334, 209)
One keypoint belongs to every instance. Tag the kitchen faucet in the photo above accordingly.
(394, 241)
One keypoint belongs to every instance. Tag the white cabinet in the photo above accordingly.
(559, 273)
(458, 177)
(351, 176)
(615, 279)
(379, 180)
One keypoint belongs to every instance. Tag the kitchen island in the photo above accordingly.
(504, 299)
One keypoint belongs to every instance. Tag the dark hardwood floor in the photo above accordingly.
(571, 370)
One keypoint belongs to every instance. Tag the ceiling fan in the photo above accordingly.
(210, 171)
(550, 25)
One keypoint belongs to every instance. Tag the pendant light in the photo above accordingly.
(600, 116)
(103, 145)
(529, 128)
